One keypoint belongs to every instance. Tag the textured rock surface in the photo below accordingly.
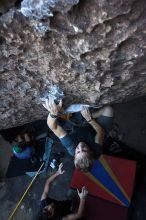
(95, 50)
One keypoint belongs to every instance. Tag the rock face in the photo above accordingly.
(94, 50)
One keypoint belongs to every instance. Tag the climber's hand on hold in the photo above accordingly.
(52, 107)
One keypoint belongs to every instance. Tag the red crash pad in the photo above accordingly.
(111, 179)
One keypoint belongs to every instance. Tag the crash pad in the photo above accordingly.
(110, 178)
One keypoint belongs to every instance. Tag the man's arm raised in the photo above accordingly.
(99, 130)
(54, 111)
(50, 180)
(81, 207)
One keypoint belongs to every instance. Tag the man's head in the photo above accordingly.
(49, 210)
(84, 157)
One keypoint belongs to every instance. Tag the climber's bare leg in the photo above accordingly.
(105, 111)
(27, 137)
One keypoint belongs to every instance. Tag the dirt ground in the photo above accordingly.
(129, 127)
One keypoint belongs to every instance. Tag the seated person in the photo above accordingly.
(85, 145)
(24, 149)
(53, 209)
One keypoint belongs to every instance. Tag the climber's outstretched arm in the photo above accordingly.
(54, 111)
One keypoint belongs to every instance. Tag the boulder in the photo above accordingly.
(94, 50)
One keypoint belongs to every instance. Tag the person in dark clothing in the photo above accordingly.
(85, 145)
(53, 209)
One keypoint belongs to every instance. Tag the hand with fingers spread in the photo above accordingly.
(83, 193)
(52, 107)
(60, 169)
(86, 113)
